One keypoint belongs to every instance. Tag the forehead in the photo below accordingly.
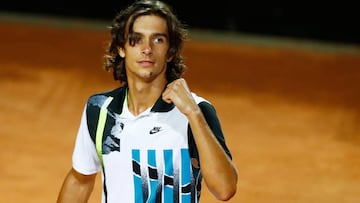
(150, 23)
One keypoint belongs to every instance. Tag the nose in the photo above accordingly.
(147, 49)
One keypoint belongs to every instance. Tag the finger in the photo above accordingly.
(166, 97)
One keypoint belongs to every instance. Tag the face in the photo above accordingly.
(146, 58)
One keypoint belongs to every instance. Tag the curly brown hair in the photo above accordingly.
(122, 26)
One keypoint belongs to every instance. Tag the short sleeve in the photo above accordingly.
(212, 119)
(85, 159)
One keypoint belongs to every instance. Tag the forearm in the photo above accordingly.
(76, 188)
(219, 172)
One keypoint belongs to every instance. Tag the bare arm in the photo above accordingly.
(219, 172)
(76, 188)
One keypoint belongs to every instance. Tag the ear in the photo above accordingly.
(121, 52)
(169, 58)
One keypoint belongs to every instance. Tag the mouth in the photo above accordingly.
(146, 62)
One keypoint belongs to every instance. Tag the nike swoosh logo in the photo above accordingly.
(155, 130)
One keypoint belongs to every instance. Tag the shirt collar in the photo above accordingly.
(161, 106)
(120, 100)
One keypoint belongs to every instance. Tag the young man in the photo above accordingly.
(152, 138)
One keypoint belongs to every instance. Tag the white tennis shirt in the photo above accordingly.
(143, 158)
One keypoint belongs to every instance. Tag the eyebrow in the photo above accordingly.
(153, 34)
(161, 34)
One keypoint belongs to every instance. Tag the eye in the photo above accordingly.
(159, 40)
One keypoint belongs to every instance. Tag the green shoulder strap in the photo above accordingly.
(100, 128)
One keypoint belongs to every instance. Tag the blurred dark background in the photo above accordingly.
(330, 22)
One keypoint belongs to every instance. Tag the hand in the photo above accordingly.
(178, 92)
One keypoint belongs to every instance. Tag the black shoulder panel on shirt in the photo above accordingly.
(95, 103)
(212, 119)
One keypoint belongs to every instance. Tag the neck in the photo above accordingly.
(142, 96)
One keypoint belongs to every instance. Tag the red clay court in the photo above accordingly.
(290, 110)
